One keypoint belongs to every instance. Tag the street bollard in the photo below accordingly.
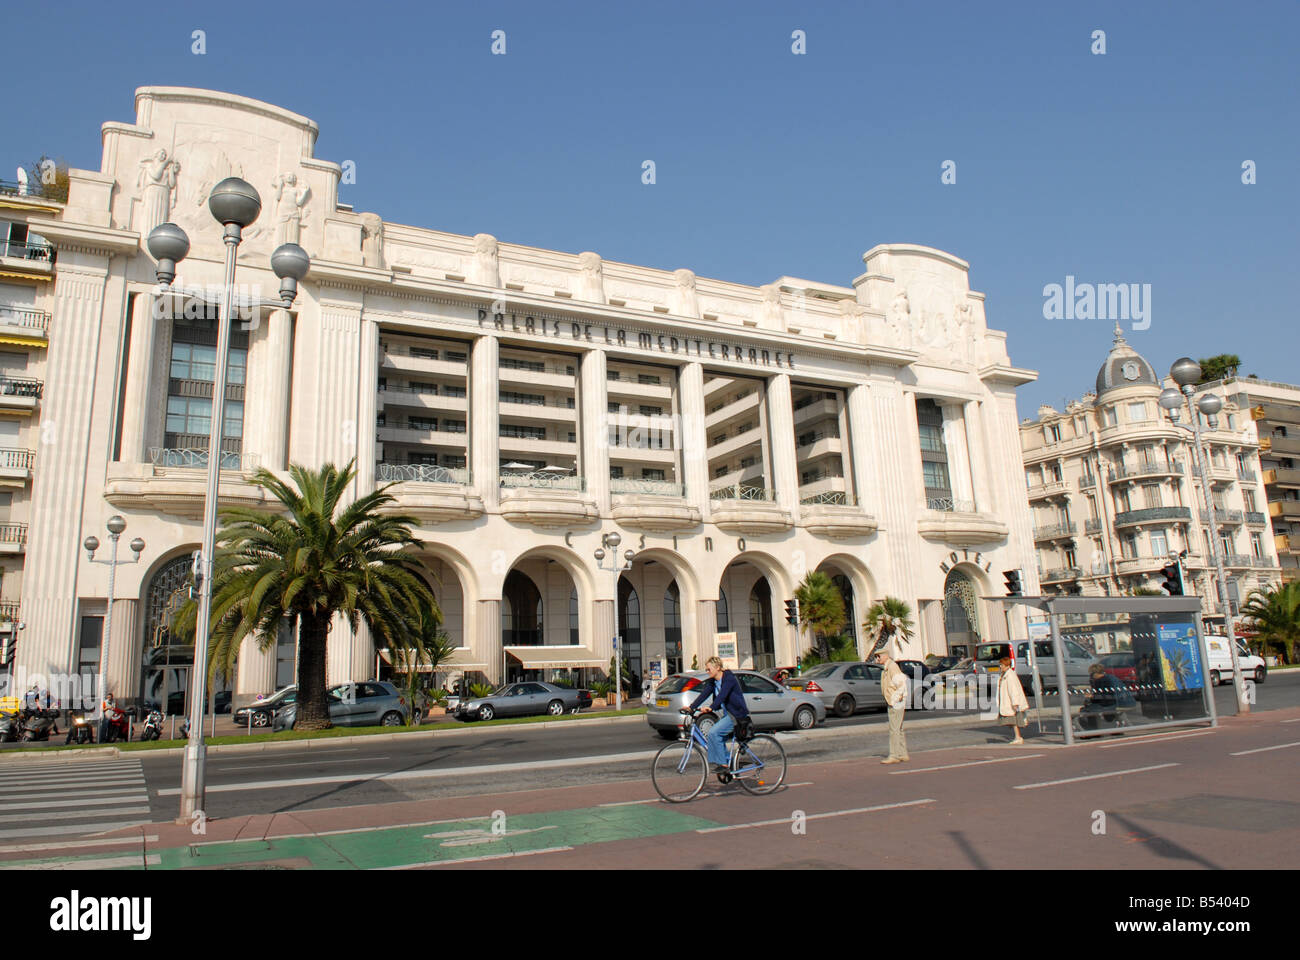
(250, 723)
(173, 727)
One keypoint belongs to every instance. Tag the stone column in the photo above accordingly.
(334, 398)
(484, 425)
(694, 444)
(859, 439)
(954, 441)
(981, 475)
(367, 406)
(266, 413)
(487, 640)
(602, 624)
(256, 671)
(780, 421)
(123, 666)
(363, 653)
(139, 399)
(593, 431)
(706, 626)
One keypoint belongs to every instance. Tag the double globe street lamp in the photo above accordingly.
(235, 204)
(1186, 372)
(116, 525)
(613, 540)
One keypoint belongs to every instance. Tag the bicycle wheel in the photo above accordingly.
(768, 756)
(678, 771)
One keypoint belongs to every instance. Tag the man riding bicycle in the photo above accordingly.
(728, 703)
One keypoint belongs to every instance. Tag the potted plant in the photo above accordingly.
(601, 693)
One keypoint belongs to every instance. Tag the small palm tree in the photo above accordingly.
(429, 649)
(888, 618)
(821, 608)
(311, 562)
(1276, 615)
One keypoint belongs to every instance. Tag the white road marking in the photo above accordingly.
(66, 844)
(968, 763)
(422, 774)
(632, 803)
(1280, 746)
(1296, 720)
(74, 828)
(490, 856)
(296, 763)
(785, 821)
(22, 789)
(134, 796)
(1095, 776)
(105, 863)
(1158, 738)
(67, 814)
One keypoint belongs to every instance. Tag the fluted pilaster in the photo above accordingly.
(695, 455)
(484, 423)
(780, 419)
(595, 432)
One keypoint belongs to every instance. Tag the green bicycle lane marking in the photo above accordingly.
(452, 840)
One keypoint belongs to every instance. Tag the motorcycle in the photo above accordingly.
(118, 728)
(153, 723)
(80, 730)
(11, 727)
(38, 725)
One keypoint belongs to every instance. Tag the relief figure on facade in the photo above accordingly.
(485, 268)
(372, 240)
(685, 301)
(157, 176)
(591, 281)
(290, 203)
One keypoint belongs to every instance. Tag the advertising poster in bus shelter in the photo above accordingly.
(1180, 656)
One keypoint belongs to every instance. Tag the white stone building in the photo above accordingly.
(526, 402)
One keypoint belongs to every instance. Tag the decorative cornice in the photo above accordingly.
(85, 238)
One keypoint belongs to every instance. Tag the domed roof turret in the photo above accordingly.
(1124, 367)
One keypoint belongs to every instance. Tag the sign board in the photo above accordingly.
(656, 671)
(726, 644)
(1180, 656)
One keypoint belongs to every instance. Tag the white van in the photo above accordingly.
(1252, 667)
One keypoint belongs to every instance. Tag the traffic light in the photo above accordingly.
(9, 648)
(792, 612)
(1173, 584)
(1014, 586)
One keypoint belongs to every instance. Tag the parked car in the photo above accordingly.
(1077, 662)
(844, 688)
(1252, 667)
(1122, 666)
(955, 674)
(771, 705)
(263, 710)
(937, 664)
(781, 674)
(918, 679)
(526, 698)
(176, 703)
(988, 657)
(370, 704)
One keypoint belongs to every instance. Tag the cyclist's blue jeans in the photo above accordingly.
(719, 732)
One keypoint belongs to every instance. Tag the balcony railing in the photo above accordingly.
(1247, 475)
(1092, 526)
(1153, 513)
(188, 458)
(31, 250)
(835, 498)
(1055, 530)
(24, 316)
(1263, 562)
(422, 473)
(1087, 482)
(9, 610)
(549, 481)
(1256, 518)
(650, 488)
(807, 439)
(1237, 560)
(21, 387)
(34, 188)
(17, 459)
(1051, 576)
(1224, 516)
(949, 505)
(1124, 471)
(13, 533)
(742, 491)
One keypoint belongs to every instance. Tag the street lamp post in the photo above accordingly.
(235, 204)
(612, 541)
(115, 527)
(1186, 372)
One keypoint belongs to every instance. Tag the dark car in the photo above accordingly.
(916, 673)
(177, 698)
(523, 699)
(939, 664)
(264, 709)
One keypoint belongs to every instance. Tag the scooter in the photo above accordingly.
(11, 727)
(153, 723)
(38, 725)
(80, 730)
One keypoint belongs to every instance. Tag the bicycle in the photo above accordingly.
(680, 768)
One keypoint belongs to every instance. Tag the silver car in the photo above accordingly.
(369, 704)
(772, 706)
(844, 688)
(526, 698)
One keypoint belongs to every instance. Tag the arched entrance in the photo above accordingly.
(629, 628)
(762, 642)
(750, 590)
(166, 661)
(961, 616)
(521, 611)
(542, 605)
(672, 629)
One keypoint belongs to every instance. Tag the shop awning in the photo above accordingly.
(544, 657)
(461, 659)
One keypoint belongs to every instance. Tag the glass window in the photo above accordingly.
(1109, 417)
(749, 683)
(936, 475)
(724, 619)
(1137, 412)
(1159, 544)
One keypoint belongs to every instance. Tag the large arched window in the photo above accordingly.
(521, 611)
(761, 641)
(724, 619)
(165, 665)
(961, 613)
(673, 629)
(629, 625)
(573, 617)
(845, 587)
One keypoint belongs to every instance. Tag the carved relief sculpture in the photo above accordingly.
(591, 281)
(158, 178)
(485, 268)
(372, 240)
(899, 321)
(685, 301)
(290, 203)
(771, 316)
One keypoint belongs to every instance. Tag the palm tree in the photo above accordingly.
(310, 562)
(888, 618)
(429, 649)
(821, 607)
(1276, 612)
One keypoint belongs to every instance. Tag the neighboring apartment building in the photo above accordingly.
(525, 403)
(1114, 493)
(1275, 408)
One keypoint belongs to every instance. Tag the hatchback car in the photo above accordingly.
(263, 710)
(369, 704)
(527, 698)
(772, 706)
(844, 687)
(1121, 666)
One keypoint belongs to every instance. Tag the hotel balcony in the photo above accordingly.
(1057, 531)
(724, 415)
(1282, 542)
(395, 396)
(546, 499)
(817, 410)
(1092, 526)
(35, 258)
(1238, 560)
(834, 514)
(1059, 576)
(419, 435)
(654, 505)
(1132, 565)
(1290, 509)
(1285, 446)
(23, 326)
(1152, 514)
(733, 443)
(10, 611)
(1131, 471)
(750, 475)
(13, 538)
(432, 494)
(527, 447)
(1057, 488)
(20, 393)
(955, 522)
(552, 411)
(1222, 473)
(1282, 478)
(1087, 482)
(745, 509)
(16, 466)
(551, 375)
(175, 482)
(650, 456)
(1224, 516)
(819, 445)
(1248, 476)
(1256, 519)
(398, 359)
(636, 391)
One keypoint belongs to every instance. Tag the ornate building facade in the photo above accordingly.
(524, 403)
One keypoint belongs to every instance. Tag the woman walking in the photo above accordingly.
(1013, 705)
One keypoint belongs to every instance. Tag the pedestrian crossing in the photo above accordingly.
(49, 800)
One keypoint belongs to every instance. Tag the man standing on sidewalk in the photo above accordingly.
(893, 685)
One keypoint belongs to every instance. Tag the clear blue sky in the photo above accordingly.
(1123, 168)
